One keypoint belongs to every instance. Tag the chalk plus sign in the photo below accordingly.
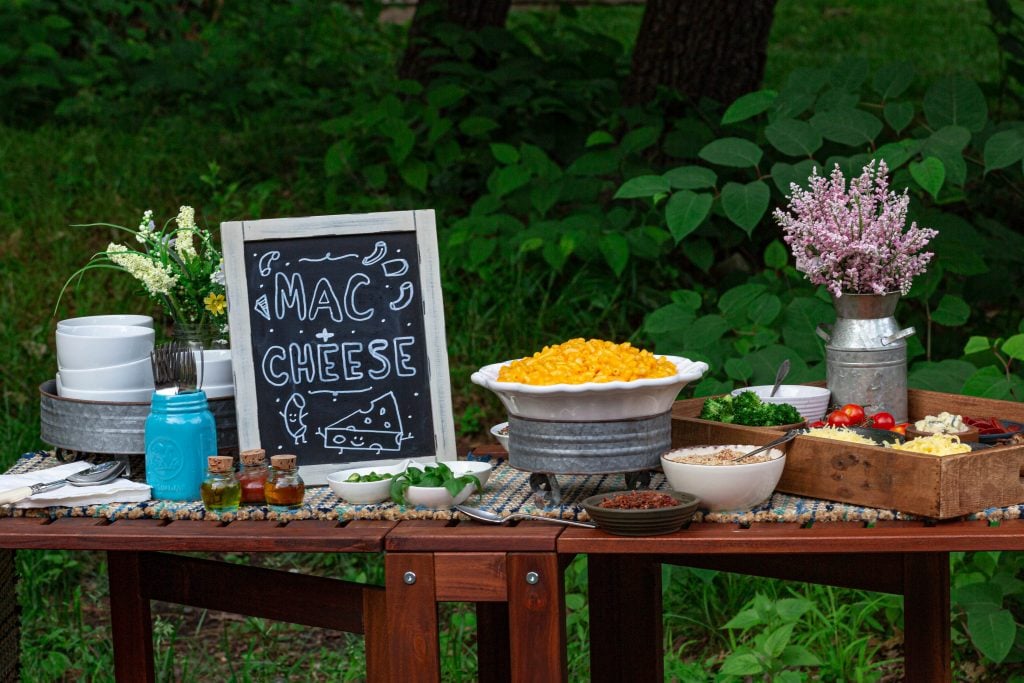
(323, 335)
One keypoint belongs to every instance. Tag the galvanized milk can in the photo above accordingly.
(865, 355)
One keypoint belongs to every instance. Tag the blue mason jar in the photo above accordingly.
(180, 434)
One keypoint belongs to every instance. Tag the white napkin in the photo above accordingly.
(117, 491)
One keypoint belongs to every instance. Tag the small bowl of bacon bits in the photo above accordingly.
(641, 513)
(995, 431)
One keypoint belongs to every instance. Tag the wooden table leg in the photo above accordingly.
(536, 610)
(130, 619)
(410, 592)
(492, 643)
(626, 629)
(10, 630)
(926, 639)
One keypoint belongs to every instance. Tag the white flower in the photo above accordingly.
(146, 227)
(154, 276)
(217, 276)
(183, 242)
(186, 218)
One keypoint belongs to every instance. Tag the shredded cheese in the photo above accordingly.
(936, 444)
(840, 434)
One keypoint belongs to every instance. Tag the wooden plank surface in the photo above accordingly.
(83, 533)
(927, 649)
(442, 536)
(536, 613)
(470, 577)
(492, 640)
(412, 618)
(130, 620)
(825, 538)
(624, 599)
(375, 630)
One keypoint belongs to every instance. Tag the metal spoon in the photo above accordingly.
(779, 376)
(103, 473)
(491, 518)
(788, 436)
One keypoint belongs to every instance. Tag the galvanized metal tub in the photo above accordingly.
(90, 427)
(589, 447)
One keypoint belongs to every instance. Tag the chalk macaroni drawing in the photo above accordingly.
(294, 415)
(376, 428)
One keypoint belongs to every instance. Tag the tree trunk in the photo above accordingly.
(471, 15)
(700, 48)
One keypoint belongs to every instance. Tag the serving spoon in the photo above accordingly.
(779, 376)
(788, 436)
(491, 518)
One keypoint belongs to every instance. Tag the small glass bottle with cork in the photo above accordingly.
(220, 489)
(284, 488)
(252, 476)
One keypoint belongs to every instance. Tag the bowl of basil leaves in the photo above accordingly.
(440, 485)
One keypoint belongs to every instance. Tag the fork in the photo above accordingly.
(174, 366)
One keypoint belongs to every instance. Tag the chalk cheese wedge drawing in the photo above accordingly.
(377, 428)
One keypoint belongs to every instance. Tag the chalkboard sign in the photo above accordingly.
(337, 337)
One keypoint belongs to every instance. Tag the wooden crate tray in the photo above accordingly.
(939, 487)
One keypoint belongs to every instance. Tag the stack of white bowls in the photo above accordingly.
(214, 372)
(811, 402)
(105, 358)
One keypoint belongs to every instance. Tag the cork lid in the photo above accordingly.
(256, 456)
(283, 462)
(220, 463)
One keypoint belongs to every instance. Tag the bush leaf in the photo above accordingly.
(893, 79)
(955, 101)
(952, 311)
(848, 126)
(690, 178)
(929, 174)
(735, 152)
(898, 115)
(749, 105)
(615, 249)
(746, 204)
(793, 137)
(643, 186)
(1003, 149)
(685, 211)
(992, 632)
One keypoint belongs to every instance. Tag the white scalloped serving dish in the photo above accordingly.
(591, 401)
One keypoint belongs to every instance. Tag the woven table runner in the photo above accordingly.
(508, 491)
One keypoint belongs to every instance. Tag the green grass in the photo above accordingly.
(59, 175)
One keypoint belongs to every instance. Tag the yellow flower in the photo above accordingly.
(215, 303)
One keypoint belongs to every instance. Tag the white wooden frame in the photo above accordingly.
(234, 236)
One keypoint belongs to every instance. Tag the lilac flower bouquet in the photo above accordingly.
(852, 240)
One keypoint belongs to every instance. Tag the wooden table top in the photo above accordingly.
(78, 533)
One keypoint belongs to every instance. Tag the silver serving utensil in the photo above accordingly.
(174, 366)
(103, 473)
(491, 518)
(788, 436)
(779, 376)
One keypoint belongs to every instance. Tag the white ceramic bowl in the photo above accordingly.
(438, 496)
(214, 367)
(221, 391)
(724, 487)
(591, 401)
(363, 492)
(112, 396)
(135, 375)
(810, 402)
(99, 346)
(114, 319)
(500, 432)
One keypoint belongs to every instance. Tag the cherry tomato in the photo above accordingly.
(883, 421)
(900, 428)
(837, 418)
(819, 423)
(855, 412)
